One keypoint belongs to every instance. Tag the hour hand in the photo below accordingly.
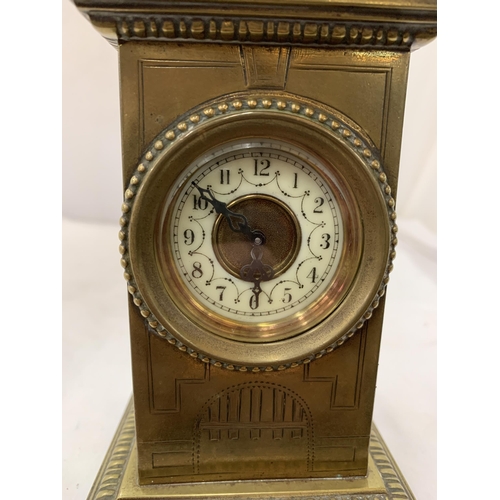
(237, 222)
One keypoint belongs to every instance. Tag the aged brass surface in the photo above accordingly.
(117, 479)
(281, 407)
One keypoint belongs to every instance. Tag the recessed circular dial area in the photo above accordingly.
(267, 215)
(256, 233)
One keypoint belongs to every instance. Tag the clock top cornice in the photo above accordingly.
(392, 24)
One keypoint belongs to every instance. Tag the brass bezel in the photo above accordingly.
(310, 126)
(268, 330)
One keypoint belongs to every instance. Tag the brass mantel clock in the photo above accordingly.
(258, 231)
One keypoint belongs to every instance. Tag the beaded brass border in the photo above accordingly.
(269, 31)
(394, 481)
(347, 131)
(391, 24)
(110, 475)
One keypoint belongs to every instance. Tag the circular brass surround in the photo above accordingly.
(348, 162)
(268, 215)
(269, 330)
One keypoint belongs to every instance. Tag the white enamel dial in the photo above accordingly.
(256, 231)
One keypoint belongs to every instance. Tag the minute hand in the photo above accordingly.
(237, 222)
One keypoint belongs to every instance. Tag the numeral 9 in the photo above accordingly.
(188, 237)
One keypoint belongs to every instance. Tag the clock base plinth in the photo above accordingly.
(118, 479)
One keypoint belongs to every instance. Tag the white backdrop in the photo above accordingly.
(96, 359)
(91, 129)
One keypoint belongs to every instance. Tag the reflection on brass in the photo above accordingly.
(268, 215)
(279, 408)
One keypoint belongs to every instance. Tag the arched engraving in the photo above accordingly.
(255, 423)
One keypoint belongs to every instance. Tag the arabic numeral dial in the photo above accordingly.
(271, 189)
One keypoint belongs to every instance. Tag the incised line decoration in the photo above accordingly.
(109, 479)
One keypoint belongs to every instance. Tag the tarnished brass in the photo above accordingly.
(282, 407)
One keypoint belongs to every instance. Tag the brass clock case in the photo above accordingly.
(346, 159)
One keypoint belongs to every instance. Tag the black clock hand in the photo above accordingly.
(237, 222)
(256, 271)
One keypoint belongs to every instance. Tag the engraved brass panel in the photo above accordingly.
(117, 479)
(337, 389)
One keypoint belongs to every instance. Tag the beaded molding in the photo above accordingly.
(395, 33)
(347, 133)
(282, 31)
(110, 476)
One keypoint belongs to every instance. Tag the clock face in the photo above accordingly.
(255, 238)
(257, 232)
